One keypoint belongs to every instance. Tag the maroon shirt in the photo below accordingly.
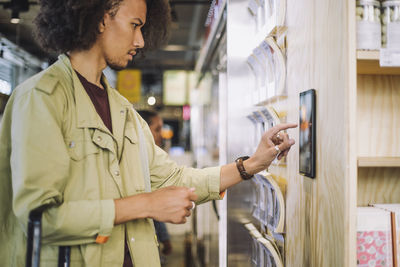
(99, 99)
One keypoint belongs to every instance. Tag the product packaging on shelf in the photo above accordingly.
(269, 15)
(268, 65)
(374, 237)
(265, 251)
(269, 255)
(368, 24)
(391, 24)
(268, 203)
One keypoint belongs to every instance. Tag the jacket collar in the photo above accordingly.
(86, 114)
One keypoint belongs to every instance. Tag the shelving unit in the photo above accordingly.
(368, 63)
(357, 131)
(378, 129)
(377, 133)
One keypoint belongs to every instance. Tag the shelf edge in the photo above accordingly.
(378, 162)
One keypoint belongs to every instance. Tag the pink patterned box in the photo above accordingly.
(374, 237)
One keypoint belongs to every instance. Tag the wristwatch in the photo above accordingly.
(241, 169)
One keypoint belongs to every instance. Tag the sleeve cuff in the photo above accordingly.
(214, 183)
(107, 217)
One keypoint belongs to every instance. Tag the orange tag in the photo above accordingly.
(101, 239)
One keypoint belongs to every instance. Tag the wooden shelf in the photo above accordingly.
(368, 63)
(378, 161)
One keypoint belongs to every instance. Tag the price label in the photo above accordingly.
(389, 57)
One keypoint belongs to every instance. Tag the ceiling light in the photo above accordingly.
(176, 48)
(151, 100)
(15, 17)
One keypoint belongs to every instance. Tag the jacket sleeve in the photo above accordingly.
(40, 166)
(165, 172)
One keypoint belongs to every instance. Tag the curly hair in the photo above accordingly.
(69, 25)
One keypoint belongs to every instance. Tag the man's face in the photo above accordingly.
(155, 128)
(121, 35)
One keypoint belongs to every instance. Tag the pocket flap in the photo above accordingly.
(131, 135)
(79, 150)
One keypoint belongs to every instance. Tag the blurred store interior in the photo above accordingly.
(231, 70)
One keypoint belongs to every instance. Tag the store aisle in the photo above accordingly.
(177, 257)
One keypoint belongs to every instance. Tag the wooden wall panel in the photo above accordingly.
(318, 213)
(378, 185)
(378, 115)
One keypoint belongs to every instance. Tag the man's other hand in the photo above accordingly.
(171, 204)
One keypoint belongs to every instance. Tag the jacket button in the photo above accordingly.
(132, 239)
(116, 173)
(98, 138)
(72, 144)
(122, 112)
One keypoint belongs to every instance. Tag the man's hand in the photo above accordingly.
(171, 204)
(275, 143)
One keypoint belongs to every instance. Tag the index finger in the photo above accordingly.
(280, 127)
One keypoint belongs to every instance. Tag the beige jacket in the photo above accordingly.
(56, 151)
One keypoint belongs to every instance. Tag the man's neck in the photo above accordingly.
(89, 63)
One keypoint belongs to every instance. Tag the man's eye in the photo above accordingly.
(135, 25)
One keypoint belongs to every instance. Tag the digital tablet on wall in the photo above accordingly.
(307, 133)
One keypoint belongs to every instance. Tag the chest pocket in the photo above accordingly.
(78, 150)
(130, 135)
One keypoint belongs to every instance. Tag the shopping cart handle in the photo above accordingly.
(35, 239)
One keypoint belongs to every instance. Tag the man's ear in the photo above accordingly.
(103, 23)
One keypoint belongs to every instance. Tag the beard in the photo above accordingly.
(116, 65)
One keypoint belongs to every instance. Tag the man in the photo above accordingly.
(72, 144)
(155, 123)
